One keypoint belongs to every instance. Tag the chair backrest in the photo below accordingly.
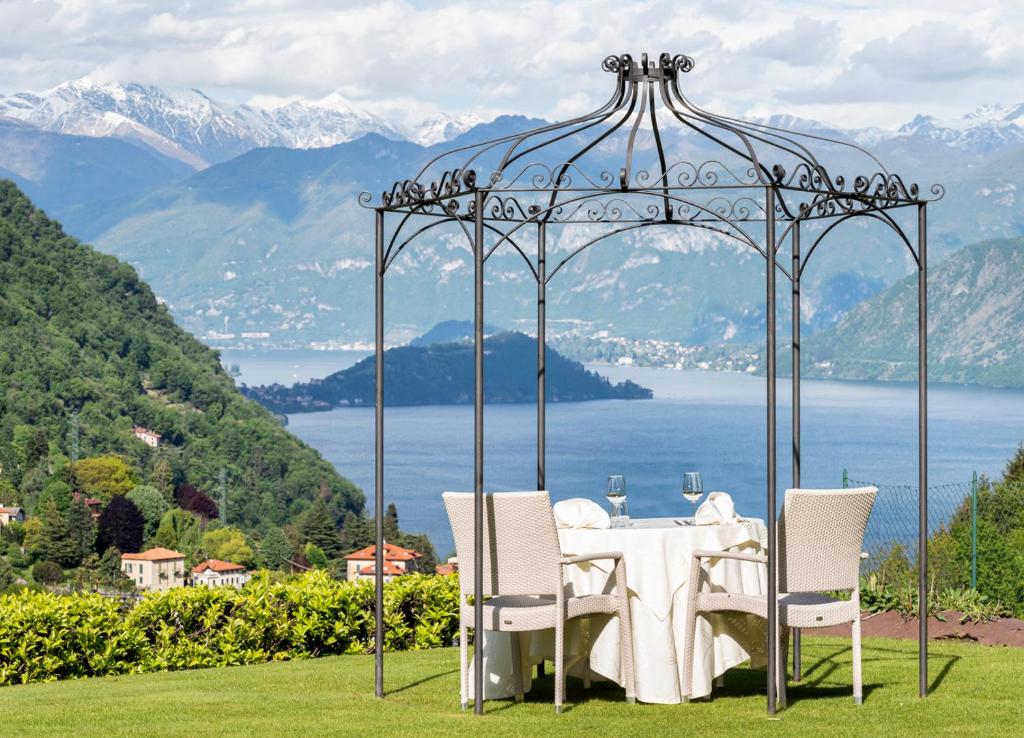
(821, 535)
(521, 549)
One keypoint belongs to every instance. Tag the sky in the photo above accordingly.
(855, 63)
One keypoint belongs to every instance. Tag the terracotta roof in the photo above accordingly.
(217, 565)
(389, 570)
(154, 554)
(14, 510)
(391, 553)
(446, 569)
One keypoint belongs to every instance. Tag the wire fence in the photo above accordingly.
(894, 518)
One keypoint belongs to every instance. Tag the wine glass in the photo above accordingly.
(616, 495)
(693, 488)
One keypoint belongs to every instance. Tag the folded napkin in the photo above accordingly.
(581, 513)
(717, 509)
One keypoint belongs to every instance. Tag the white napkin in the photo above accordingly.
(580, 512)
(717, 509)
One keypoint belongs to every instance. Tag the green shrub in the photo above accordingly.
(47, 572)
(45, 636)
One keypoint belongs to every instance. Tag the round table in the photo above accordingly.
(656, 553)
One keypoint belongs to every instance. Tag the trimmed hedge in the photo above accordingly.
(46, 637)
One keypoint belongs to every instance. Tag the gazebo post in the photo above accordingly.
(922, 451)
(773, 594)
(541, 352)
(796, 403)
(478, 450)
(378, 574)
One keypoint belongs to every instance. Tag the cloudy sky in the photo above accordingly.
(852, 62)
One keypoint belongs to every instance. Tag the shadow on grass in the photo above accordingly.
(748, 682)
(424, 680)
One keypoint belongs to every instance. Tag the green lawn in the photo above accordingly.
(977, 692)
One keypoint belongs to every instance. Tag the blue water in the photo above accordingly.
(709, 422)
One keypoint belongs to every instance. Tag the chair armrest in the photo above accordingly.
(756, 558)
(567, 560)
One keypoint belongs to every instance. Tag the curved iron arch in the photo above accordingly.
(881, 217)
(389, 258)
(678, 223)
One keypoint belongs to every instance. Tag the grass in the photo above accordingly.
(976, 691)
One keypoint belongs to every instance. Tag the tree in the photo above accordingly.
(315, 556)
(196, 501)
(151, 504)
(47, 572)
(227, 544)
(179, 530)
(161, 477)
(121, 526)
(81, 530)
(57, 490)
(105, 476)
(317, 527)
(357, 532)
(275, 550)
(391, 531)
(7, 575)
(53, 543)
(1014, 473)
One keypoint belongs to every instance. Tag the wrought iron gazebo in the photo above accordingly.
(613, 171)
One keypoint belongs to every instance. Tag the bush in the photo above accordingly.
(45, 636)
(47, 572)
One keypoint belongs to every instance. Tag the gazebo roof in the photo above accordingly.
(649, 139)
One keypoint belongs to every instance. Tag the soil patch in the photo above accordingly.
(1001, 632)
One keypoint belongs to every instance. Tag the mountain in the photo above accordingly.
(197, 130)
(442, 374)
(84, 181)
(89, 353)
(989, 128)
(271, 246)
(975, 324)
(451, 331)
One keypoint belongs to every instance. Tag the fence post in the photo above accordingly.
(974, 531)
(846, 479)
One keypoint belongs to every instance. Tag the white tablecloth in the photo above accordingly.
(657, 558)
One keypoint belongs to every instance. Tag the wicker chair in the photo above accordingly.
(821, 532)
(523, 570)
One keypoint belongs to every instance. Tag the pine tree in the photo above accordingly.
(357, 532)
(81, 529)
(1014, 473)
(317, 527)
(275, 550)
(121, 526)
(391, 531)
(53, 542)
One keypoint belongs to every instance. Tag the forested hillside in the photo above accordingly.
(88, 353)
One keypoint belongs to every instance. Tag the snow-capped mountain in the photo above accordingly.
(188, 125)
(988, 128)
(438, 128)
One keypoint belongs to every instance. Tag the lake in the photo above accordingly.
(699, 421)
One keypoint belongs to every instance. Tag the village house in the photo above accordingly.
(397, 561)
(94, 504)
(7, 514)
(217, 573)
(449, 567)
(156, 569)
(148, 437)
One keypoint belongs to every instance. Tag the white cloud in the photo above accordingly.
(538, 57)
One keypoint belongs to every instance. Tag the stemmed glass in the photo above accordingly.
(693, 488)
(616, 495)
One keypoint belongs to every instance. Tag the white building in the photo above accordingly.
(217, 573)
(148, 437)
(7, 514)
(155, 569)
(397, 561)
